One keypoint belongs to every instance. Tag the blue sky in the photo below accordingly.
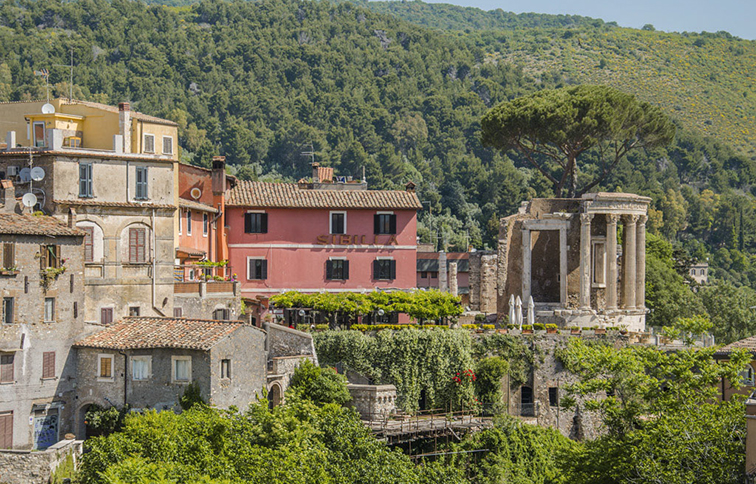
(737, 17)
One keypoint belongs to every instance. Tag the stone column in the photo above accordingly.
(443, 281)
(629, 262)
(563, 266)
(526, 265)
(585, 260)
(488, 284)
(640, 264)
(474, 280)
(453, 286)
(611, 261)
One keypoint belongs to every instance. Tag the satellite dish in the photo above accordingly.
(195, 193)
(48, 109)
(29, 200)
(25, 175)
(37, 173)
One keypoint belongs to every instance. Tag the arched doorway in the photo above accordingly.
(526, 402)
(274, 396)
(81, 428)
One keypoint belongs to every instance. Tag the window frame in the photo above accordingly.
(331, 269)
(168, 138)
(225, 368)
(176, 358)
(36, 142)
(144, 143)
(263, 269)
(9, 255)
(100, 358)
(45, 315)
(553, 396)
(132, 310)
(259, 226)
(142, 358)
(88, 245)
(141, 189)
(343, 223)
(48, 369)
(87, 180)
(135, 257)
(3, 368)
(378, 225)
(224, 312)
(205, 224)
(378, 272)
(12, 302)
(105, 310)
(189, 222)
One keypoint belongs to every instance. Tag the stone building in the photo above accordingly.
(564, 253)
(700, 273)
(42, 286)
(114, 170)
(148, 363)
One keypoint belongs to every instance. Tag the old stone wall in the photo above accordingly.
(373, 401)
(281, 369)
(245, 350)
(283, 341)
(202, 304)
(24, 467)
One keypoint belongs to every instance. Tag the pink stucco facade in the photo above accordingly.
(298, 244)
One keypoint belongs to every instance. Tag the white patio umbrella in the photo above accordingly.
(518, 312)
(531, 311)
(512, 317)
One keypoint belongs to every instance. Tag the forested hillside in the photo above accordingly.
(260, 82)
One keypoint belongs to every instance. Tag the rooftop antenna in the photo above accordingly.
(46, 75)
(70, 81)
(310, 153)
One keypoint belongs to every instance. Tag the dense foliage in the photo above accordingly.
(319, 385)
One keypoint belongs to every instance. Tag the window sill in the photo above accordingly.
(138, 380)
(7, 383)
(52, 378)
(181, 382)
(48, 322)
(106, 380)
(9, 273)
(145, 263)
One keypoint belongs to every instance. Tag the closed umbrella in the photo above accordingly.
(512, 317)
(518, 312)
(531, 311)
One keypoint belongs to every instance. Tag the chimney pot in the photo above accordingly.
(124, 106)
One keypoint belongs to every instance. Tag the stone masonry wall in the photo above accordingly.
(23, 467)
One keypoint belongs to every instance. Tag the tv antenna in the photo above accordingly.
(310, 153)
(70, 81)
(44, 73)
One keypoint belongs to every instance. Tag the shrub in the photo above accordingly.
(319, 385)
(470, 326)
(527, 327)
(490, 371)
(321, 327)
(552, 326)
(105, 421)
(191, 397)
(539, 326)
(480, 317)
(489, 326)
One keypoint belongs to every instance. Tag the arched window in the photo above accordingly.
(747, 376)
(135, 244)
(527, 406)
(93, 241)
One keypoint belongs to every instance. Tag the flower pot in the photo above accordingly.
(599, 331)
(552, 331)
(502, 331)
(527, 331)
(575, 331)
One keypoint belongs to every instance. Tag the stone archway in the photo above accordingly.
(275, 395)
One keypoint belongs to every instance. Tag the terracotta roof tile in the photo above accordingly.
(289, 195)
(141, 332)
(102, 203)
(114, 109)
(191, 204)
(17, 224)
(748, 344)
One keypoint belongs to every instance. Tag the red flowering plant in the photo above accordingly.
(463, 391)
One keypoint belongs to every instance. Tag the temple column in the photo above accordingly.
(585, 260)
(526, 266)
(629, 254)
(563, 266)
(640, 265)
(611, 262)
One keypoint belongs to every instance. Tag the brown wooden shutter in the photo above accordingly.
(137, 244)
(88, 244)
(106, 315)
(132, 244)
(48, 364)
(42, 257)
(6, 430)
(9, 255)
(6, 368)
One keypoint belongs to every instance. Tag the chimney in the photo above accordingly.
(9, 196)
(315, 174)
(410, 187)
(218, 175)
(71, 218)
(124, 125)
(443, 281)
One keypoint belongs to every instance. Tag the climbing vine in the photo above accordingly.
(521, 358)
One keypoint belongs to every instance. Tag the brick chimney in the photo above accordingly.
(9, 196)
(219, 175)
(315, 172)
(124, 125)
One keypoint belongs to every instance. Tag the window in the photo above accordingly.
(167, 145)
(76, 309)
(85, 180)
(48, 364)
(141, 183)
(225, 369)
(384, 223)
(222, 314)
(384, 269)
(205, 223)
(6, 368)
(49, 309)
(181, 369)
(39, 134)
(257, 269)
(553, 396)
(434, 275)
(255, 223)
(9, 255)
(88, 243)
(6, 430)
(106, 315)
(188, 222)
(178, 312)
(181, 216)
(105, 367)
(49, 257)
(141, 368)
(134, 311)
(747, 377)
(149, 143)
(137, 247)
(337, 269)
(8, 310)
(338, 222)
(423, 275)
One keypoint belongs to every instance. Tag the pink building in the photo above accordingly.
(320, 236)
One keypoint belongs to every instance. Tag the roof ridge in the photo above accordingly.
(168, 318)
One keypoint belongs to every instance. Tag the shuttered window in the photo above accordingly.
(106, 315)
(48, 364)
(85, 180)
(149, 143)
(338, 222)
(6, 368)
(258, 269)
(188, 222)
(384, 269)
(105, 366)
(8, 310)
(137, 244)
(178, 312)
(141, 183)
(49, 309)
(88, 243)
(204, 224)
(256, 223)
(384, 224)
(167, 145)
(9, 255)
(337, 269)
(6, 430)
(222, 314)
(49, 257)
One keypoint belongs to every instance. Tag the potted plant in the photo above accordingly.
(551, 329)
(9, 271)
(575, 330)
(489, 328)
(527, 329)
(539, 328)
(599, 330)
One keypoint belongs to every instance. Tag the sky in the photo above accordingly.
(737, 17)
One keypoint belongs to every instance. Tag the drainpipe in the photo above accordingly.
(125, 377)
(128, 197)
(154, 267)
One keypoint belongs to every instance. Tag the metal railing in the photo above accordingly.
(198, 273)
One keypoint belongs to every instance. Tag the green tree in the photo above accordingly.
(553, 128)
(319, 385)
